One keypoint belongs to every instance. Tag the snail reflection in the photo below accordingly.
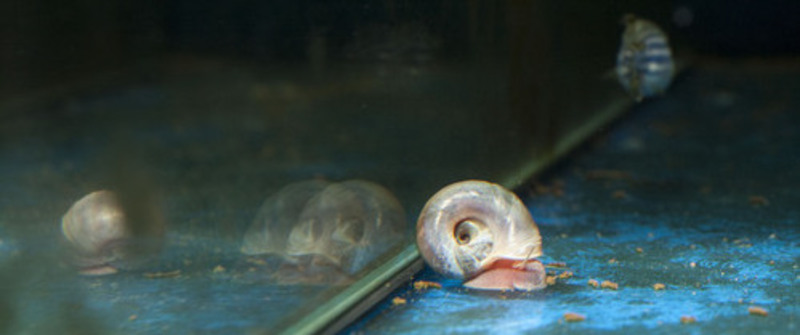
(482, 233)
(101, 237)
(322, 232)
(644, 63)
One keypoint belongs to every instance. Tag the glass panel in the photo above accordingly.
(657, 225)
(199, 115)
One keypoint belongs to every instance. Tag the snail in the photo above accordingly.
(644, 63)
(277, 216)
(101, 237)
(326, 232)
(481, 233)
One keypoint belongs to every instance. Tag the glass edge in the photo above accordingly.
(568, 142)
(326, 314)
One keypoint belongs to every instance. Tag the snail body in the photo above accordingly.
(483, 234)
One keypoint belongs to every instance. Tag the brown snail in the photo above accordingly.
(483, 234)
(326, 232)
(101, 237)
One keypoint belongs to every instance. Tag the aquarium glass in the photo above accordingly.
(202, 116)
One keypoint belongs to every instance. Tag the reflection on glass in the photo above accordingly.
(325, 232)
(644, 63)
(211, 107)
(101, 237)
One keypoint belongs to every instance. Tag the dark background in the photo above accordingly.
(48, 41)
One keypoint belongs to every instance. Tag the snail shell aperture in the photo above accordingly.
(481, 233)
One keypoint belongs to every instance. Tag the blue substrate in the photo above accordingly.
(696, 191)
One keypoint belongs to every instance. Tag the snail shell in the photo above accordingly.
(482, 233)
(644, 62)
(100, 236)
(325, 228)
(349, 224)
(277, 217)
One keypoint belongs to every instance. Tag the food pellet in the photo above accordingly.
(168, 274)
(574, 317)
(755, 310)
(398, 301)
(424, 284)
(565, 275)
(688, 319)
(609, 285)
(593, 283)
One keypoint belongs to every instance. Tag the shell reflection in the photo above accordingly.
(481, 233)
(644, 63)
(101, 238)
(326, 232)
(277, 217)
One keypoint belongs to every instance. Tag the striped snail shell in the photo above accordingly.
(644, 63)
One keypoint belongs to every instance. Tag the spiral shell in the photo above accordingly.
(316, 224)
(277, 216)
(644, 63)
(467, 226)
(100, 236)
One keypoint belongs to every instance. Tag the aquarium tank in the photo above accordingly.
(282, 167)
